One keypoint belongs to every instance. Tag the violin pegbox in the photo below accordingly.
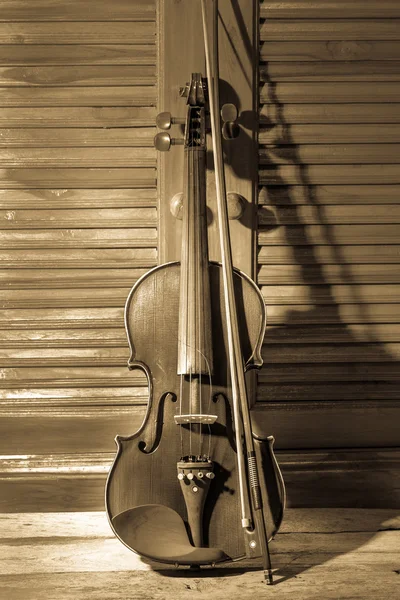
(195, 126)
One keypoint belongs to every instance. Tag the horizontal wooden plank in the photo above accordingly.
(293, 28)
(59, 318)
(330, 294)
(327, 391)
(335, 314)
(324, 174)
(75, 32)
(82, 117)
(75, 10)
(82, 54)
(63, 117)
(317, 255)
(46, 137)
(326, 92)
(324, 352)
(67, 432)
(356, 70)
(79, 238)
(327, 154)
(82, 259)
(334, 9)
(328, 274)
(62, 198)
(112, 378)
(71, 278)
(320, 424)
(77, 76)
(329, 134)
(109, 96)
(52, 158)
(64, 356)
(51, 297)
(328, 372)
(62, 401)
(330, 194)
(86, 217)
(304, 235)
(328, 50)
(341, 214)
(271, 114)
(77, 178)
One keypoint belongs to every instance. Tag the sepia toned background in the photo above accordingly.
(78, 99)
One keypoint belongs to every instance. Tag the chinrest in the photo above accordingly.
(159, 533)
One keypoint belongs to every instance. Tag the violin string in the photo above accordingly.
(201, 311)
(190, 307)
(180, 412)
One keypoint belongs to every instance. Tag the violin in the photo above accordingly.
(194, 485)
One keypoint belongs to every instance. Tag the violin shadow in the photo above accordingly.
(205, 572)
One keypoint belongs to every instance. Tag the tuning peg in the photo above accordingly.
(230, 128)
(163, 141)
(229, 112)
(164, 120)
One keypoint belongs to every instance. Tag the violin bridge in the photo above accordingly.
(195, 418)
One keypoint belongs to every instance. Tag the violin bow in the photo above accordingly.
(252, 516)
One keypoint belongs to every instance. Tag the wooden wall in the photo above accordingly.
(79, 226)
(79, 207)
(329, 230)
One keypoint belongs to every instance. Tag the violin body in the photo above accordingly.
(144, 472)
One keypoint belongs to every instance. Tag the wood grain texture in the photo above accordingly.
(123, 138)
(355, 254)
(330, 194)
(329, 154)
(355, 70)
(78, 54)
(77, 32)
(78, 198)
(74, 10)
(365, 133)
(290, 28)
(91, 96)
(15, 178)
(327, 92)
(335, 295)
(52, 158)
(329, 50)
(273, 114)
(330, 174)
(335, 9)
(329, 215)
(79, 238)
(73, 76)
(98, 117)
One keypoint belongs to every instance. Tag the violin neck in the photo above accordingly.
(195, 340)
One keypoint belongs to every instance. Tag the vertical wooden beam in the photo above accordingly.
(181, 52)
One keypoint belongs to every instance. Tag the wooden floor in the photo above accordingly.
(319, 554)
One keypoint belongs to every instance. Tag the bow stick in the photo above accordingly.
(253, 521)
